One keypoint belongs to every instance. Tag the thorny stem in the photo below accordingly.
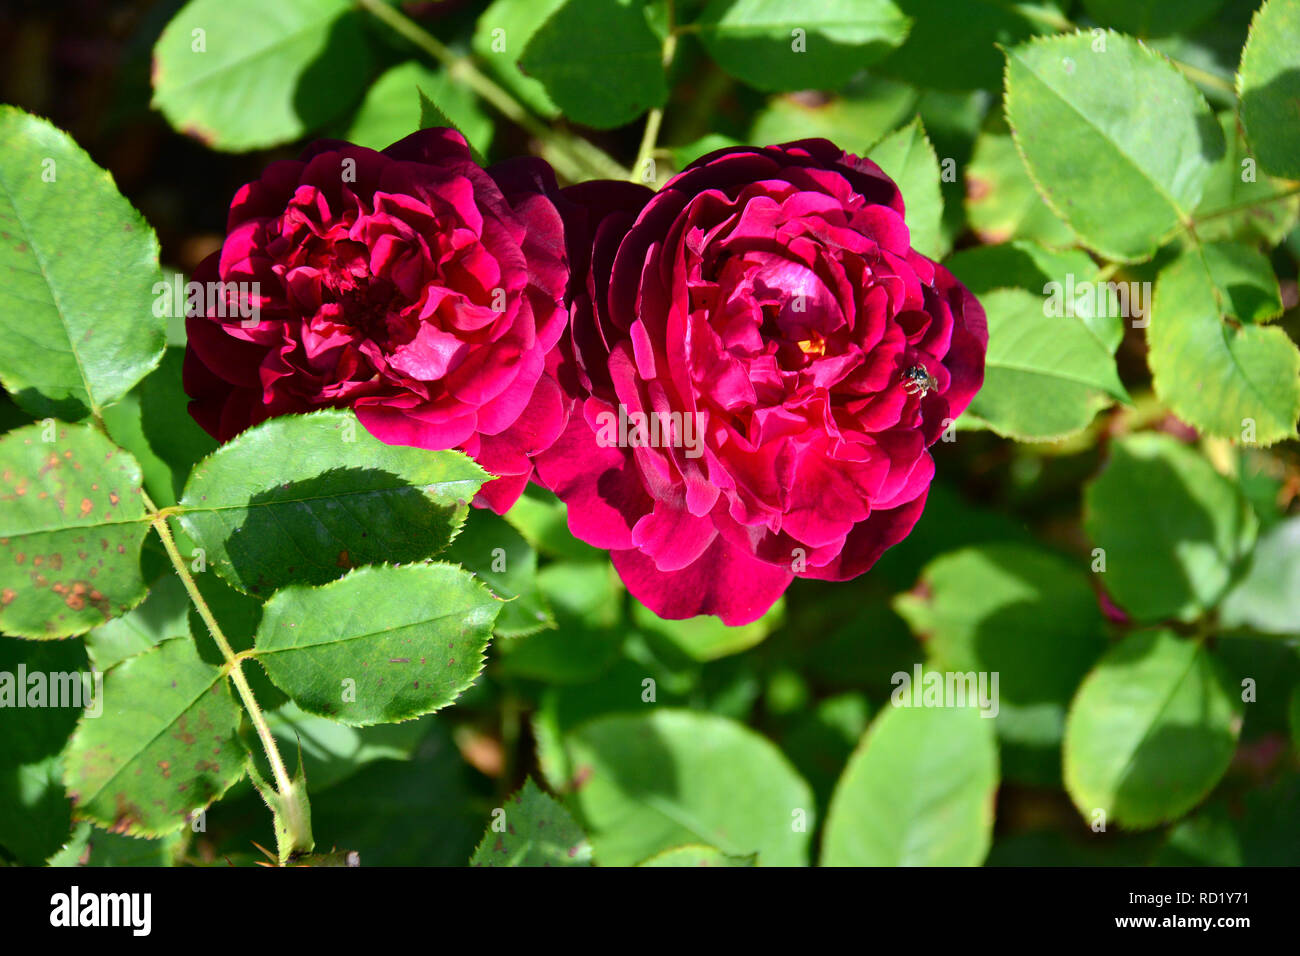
(234, 661)
(575, 163)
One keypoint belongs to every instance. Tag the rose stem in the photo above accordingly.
(576, 162)
(233, 661)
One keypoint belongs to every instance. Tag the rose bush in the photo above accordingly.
(410, 284)
(769, 296)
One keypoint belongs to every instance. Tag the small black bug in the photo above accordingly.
(917, 381)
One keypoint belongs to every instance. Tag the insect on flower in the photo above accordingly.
(917, 381)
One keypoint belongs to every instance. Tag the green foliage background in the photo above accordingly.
(1114, 529)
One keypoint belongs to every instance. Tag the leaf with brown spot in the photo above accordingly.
(73, 591)
(136, 769)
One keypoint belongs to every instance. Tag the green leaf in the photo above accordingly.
(35, 815)
(1001, 200)
(1206, 838)
(500, 37)
(341, 499)
(1268, 85)
(1045, 376)
(605, 83)
(698, 855)
(648, 783)
(78, 264)
(774, 46)
(1172, 528)
(72, 527)
(861, 115)
(586, 600)
(1147, 18)
(1236, 382)
(94, 846)
(1151, 731)
(684, 155)
(918, 792)
(543, 520)
(706, 638)
(333, 752)
(164, 613)
(907, 157)
(1119, 143)
(1020, 264)
(533, 829)
(1267, 597)
(164, 747)
(422, 812)
(383, 644)
(1022, 613)
(392, 108)
(499, 556)
(1244, 281)
(153, 423)
(242, 74)
(952, 46)
(1233, 202)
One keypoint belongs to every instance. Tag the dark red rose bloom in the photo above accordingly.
(770, 297)
(410, 284)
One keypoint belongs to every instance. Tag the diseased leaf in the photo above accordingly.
(533, 830)
(164, 747)
(71, 528)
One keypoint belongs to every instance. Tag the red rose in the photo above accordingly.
(768, 298)
(410, 284)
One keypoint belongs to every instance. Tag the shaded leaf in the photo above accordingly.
(918, 792)
(1172, 528)
(242, 74)
(340, 499)
(534, 830)
(1151, 731)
